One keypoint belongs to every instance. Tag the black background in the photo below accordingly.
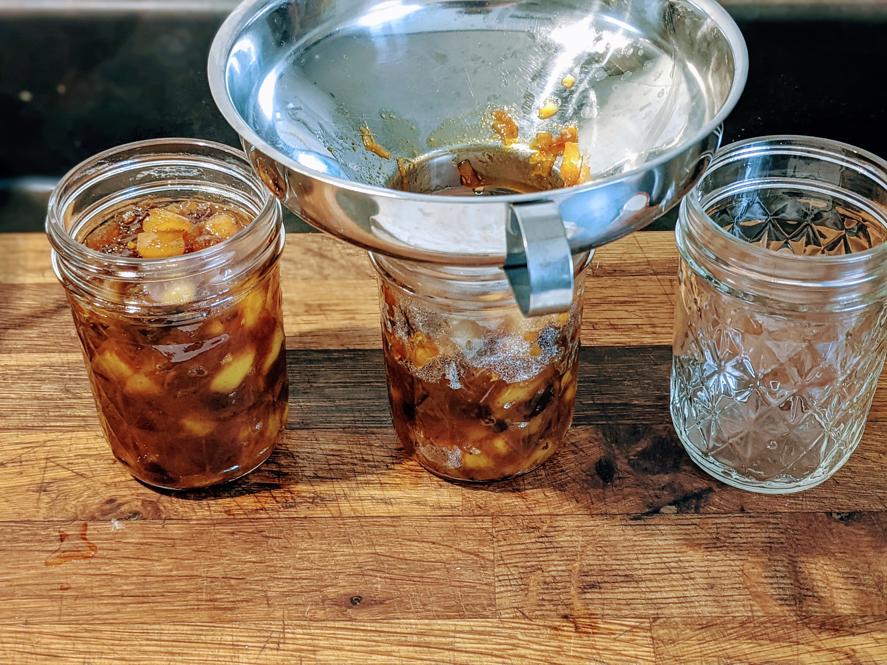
(97, 81)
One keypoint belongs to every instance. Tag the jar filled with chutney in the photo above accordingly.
(168, 251)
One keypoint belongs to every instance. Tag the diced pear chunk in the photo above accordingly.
(505, 127)
(139, 384)
(536, 425)
(568, 135)
(161, 219)
(569, 392)
(474, 432)
(276, 346)
(501, 445)
(160, 244)
(542, 164)
(179, 293)
(197, 426)
(509, 395)
(252, 307)
(515, 393)
(476, 461)
(422, 350)
(222, 225)
(233, 372)
(112, 365)
(186, 207)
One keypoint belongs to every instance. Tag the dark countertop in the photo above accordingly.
(73, 85)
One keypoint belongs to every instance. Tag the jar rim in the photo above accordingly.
(457, 283)
(863, 161)
(112, 160)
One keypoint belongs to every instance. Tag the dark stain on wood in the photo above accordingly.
(663, 454)
(691, 502)
(605, 468)
(844, 518)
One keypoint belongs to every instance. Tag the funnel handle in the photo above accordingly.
(539, 263)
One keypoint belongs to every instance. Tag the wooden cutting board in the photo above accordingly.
(339, 550)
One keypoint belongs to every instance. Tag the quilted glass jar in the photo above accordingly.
(780, 324)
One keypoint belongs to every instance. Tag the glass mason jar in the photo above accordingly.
(478, 392)
(185, 354)
(780, 326)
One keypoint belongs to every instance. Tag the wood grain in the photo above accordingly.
(232, 570)
(812, 641)
(443, 642)
(25, 259)
(619, 550)
(610, 470)
(547, 568)
(739, 565)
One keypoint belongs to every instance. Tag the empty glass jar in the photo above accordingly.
(478, 392)
(780, 325)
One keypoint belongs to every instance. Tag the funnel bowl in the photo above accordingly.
(334, 100)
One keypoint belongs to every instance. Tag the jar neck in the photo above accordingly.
(752, 272)
(481, 287)
(165, 169)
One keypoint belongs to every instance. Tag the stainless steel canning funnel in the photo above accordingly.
(321, 90)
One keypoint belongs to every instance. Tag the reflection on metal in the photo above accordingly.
(539, 265)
